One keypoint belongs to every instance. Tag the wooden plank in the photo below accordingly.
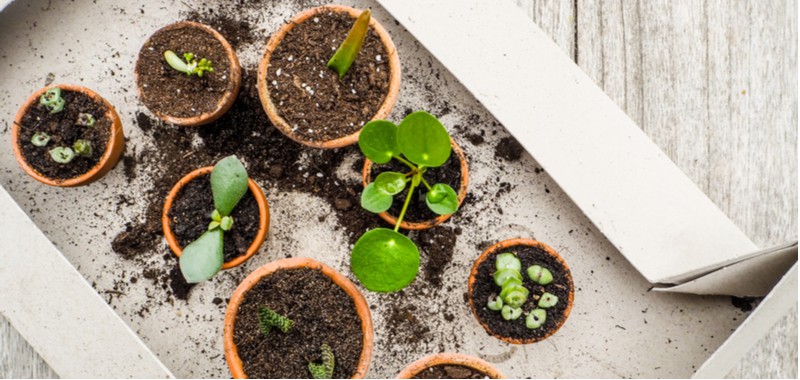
(17, 358)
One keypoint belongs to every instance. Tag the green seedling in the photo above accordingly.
(52, 100)
(385, 260)
(189, 64)
(268, 319)
(535, 319)
(348, 51)
(203, 258)
(40, 139)
(323, 370)
(495, 303)
(540, 275)
(510, 313)
(548, 300)
(85, 120)
(62, 154)
(82, 148)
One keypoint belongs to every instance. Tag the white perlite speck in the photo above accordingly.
(278, 73)
(316, 19)
(378, 58)
(291, 58)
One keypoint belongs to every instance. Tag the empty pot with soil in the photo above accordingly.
(215, 218)
(320, 98)
(450, 366)
(67, 135)
(297, 318)
(187, 74)
(521, 291)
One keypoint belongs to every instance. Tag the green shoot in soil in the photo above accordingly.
(513, 293)
(52, 100)
(268, 318)
(323, 370)
(189, 64)
(348, 50)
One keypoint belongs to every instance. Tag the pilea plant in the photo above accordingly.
(189, 64)
(323, 370)
(348, 51)
(53, 102)
(385, 260)
(268, 318)
(513, 293)
(203, 258)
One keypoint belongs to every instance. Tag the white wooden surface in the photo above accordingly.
(713, 83)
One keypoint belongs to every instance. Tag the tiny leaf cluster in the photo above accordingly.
(203, 258)
(513, 293)
(269, 319)
(189, 64)
(53, 102)
(385, 260)
(347, 52)
(323, 370)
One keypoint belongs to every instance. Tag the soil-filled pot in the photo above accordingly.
(454, 172)
(482, 288)
(305, 99)
(180, 98)
(84, 116)
(450, 366)
(187, 213)
(325, 309)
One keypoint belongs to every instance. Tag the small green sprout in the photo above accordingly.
(82, 148)
(203, 258)
(510, 313)
(548, 300)
(189, 65)
(348, 51)
(504, 275)
(52, 100)
(535, 319)
(85, 120)
(540, 275)
(508, 261)
(62, 154)
(40, 139)
(495, 303)
(385, 260)
(268, 318)
(514, 295)
(323, 370)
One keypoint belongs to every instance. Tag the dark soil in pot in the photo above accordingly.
(418, 211)
(63, 132)
(170, 92)
(310, 96)
(446, 371)
(321, 313)
(484, 288)
(191, 213)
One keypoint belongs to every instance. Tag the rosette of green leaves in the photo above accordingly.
(203, 258)
(385, 260)
(508, 277)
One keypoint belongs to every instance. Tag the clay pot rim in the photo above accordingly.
(462, 360)
(89, 176)
(362, 309)
(263, 215)
(275, 40)
(503, 245)
(366, 178)
(224, 103)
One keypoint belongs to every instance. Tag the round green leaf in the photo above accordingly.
(442, 199)
(391, 182)
(202, 258)
(229, 183)
(374, 199)
(378, 141)
(384, 260)
(423, 140)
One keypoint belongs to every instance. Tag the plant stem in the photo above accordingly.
(424, 182)
(408, 200)
(403, 160)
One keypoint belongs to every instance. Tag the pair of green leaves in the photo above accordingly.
(203, 258)
(189, 65)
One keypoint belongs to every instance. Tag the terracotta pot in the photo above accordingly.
(114, 148)
(362, 309)
(263, 209)
(223, 104)
(366, 178)
(502, 246)
(277, 37)
(450, 359)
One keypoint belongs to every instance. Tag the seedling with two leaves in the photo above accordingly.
(189, 64)
(385, 260)
(203, 258)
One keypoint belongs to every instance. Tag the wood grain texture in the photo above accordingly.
(713, 83)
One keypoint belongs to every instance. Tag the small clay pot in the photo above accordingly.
(275, 40)
(362, 309)
(366, 178)
(263, 216)
(114, 148)
(224, 103)
(502, 246)
(462, 360)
